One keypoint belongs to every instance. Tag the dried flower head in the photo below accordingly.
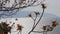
(37, 13)
(30, 15)
(9, 27)
(43, 5)
(19, 27)
(54, 24)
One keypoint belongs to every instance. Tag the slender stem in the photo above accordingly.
(34, 20)
(37, 22)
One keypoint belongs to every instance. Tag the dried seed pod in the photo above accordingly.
(37, 13)
(43, 5)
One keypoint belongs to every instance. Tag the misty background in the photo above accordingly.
(52, 12)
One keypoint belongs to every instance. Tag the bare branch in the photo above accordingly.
(13, 7)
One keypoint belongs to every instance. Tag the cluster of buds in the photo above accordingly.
(19, 27)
